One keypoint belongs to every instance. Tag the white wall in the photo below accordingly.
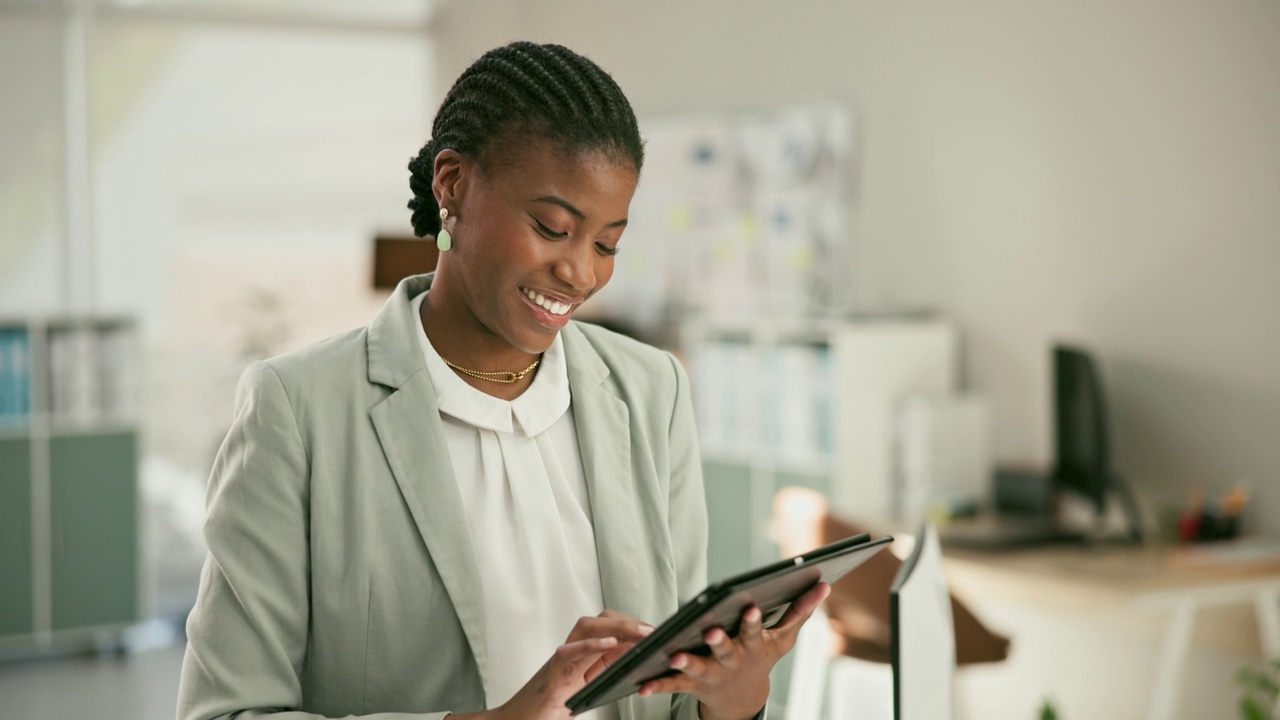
(255, 161)
(1104, 172)
(225, 160)
(31, 162)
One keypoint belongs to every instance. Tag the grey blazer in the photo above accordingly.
(341, 578)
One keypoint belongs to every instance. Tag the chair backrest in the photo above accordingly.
(923, 642)
(809, 660)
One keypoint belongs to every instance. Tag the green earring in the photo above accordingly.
(444, 240)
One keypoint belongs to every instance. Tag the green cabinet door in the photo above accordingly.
(94, 529)
(730, 518)
(16, 614)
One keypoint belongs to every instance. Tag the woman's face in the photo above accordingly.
(535, 235)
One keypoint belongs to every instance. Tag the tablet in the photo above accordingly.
(771, 588)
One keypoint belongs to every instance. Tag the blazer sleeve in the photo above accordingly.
(247, 635)
(687, 515)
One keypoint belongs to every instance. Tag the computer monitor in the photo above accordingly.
(922, 644)
(1082, 449)
(1080, 425)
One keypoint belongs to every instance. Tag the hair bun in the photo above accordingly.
(426, 211)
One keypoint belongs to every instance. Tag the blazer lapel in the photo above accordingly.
(412, 437)
(604, 438)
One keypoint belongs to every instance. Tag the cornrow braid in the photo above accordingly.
(525, 89)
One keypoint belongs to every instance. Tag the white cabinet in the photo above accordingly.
(809, 403)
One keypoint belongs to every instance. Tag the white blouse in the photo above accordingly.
(520, 473)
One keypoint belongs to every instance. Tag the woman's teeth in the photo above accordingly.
(551, 306)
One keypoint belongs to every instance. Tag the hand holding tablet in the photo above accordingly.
(733, 679)
(722, 630)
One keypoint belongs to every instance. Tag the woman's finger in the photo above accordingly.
(611, 625)
(802, 608)
(722, 647)
(678, 683)
(572, 657)
(699, 668)
(608, 658)
(751, 630)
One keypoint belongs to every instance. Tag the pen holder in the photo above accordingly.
(1207, 527)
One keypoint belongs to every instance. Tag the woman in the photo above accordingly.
(474, 505)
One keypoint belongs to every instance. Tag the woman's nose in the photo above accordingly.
(576, 267)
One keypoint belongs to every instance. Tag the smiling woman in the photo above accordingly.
(534, 236)
(534, 158)
(476, 504)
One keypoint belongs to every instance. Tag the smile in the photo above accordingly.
(551, 306)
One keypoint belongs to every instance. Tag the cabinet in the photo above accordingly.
(809, 403)
(69, 542)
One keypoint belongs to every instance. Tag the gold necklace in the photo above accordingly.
(498, 377)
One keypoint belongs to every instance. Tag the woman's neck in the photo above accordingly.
(477, 350)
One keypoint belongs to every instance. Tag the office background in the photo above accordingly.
(1100, 172)
(1104, 172)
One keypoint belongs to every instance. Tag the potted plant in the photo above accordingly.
(1261, 688)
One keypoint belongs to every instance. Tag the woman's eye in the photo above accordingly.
(606, 250)
(549, 232)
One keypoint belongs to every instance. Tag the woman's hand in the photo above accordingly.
(733, 682)
(593, 645)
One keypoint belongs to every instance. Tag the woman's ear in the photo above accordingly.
(447, 181)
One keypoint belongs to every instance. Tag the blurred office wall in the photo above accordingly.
(1102, 172)
(229, 165)
(256, 171)
(31, 160)
(239, 174)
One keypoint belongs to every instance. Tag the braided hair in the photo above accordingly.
(518, 91)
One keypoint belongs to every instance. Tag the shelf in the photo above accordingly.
(66, 428)
(813, 403)
(16, 429)
(818, 466)
(68, 476)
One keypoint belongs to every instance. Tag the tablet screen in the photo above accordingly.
(771, 588)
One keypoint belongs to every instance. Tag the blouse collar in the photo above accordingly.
(534, 411)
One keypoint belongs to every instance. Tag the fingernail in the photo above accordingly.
(645, 629)
(609, 640)
(754, 614)
(678, 662)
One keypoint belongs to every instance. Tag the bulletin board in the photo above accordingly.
(739, 214)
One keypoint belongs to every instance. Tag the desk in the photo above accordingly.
(1141, 579)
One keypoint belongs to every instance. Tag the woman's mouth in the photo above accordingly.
(549, 312)
(552, 306)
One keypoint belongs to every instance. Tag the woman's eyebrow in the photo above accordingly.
(561, 202)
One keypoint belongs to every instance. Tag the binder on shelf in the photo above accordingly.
(74, 389)
(92, 373)
(770, 401)
(8, 403)
(117, 372)
(15, 376)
